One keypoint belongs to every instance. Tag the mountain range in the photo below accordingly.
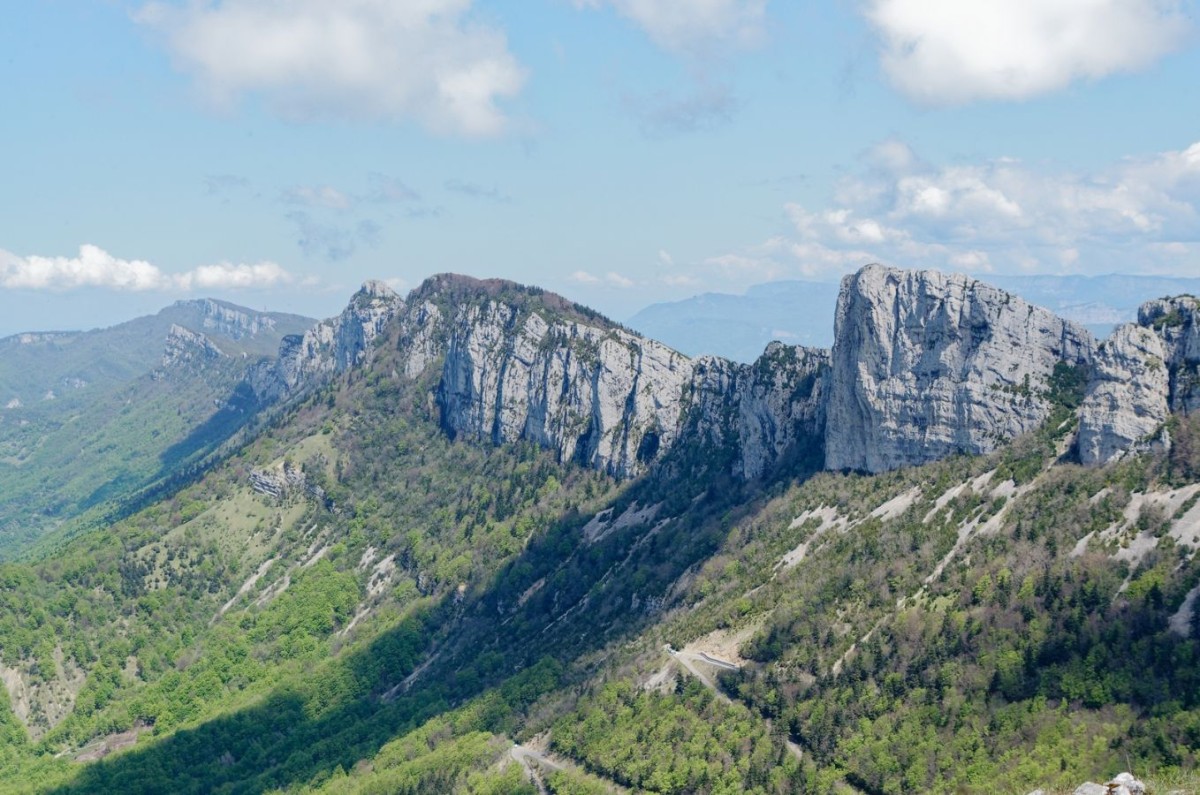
(480, 538)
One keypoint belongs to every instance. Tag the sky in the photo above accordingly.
(277, 153)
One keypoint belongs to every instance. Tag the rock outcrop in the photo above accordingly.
(927, 365)
(231, 321)
(755, 415)
(1128, 398)
(1144, 371)
(184, 346)
(593, 392)
(330, 347)
(1177, 322)
(924, 365)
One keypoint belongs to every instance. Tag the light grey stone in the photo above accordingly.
(1177, 322)
(757, 414)
(926, 365)
(1128, 397)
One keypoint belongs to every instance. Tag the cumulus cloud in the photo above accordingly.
(375, 59)
(693, 25)
(227, 275)
(95, 267)
(945, 53)
(1000, 215)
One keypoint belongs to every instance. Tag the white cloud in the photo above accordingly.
(95, 267)
(1141, 215)
(583, 277)
(374, 59)
(693, 25)
(943, 53)
(226, 275)
(614, 279)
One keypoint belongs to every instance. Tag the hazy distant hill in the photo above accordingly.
(738, 327)
(801, 313)
(87, 416)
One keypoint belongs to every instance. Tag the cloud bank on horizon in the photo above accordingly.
(996, 216)
(95, 267)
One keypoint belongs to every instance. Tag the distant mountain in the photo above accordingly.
(86, 416)
(739, 327)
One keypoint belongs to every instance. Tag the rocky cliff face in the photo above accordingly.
(1144, 371)
(516, 369)
(757, 414)
(331, 346)
(926, 365)
(1177, 322)
(231, 321)
(184, 346)
(1127, 399)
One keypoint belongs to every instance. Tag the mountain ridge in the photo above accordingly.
(358, 600)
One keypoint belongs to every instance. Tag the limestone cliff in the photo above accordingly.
(926, 365)
(756, 415)
(331, 346)
(517, 363)
(1144, 371)
(184, 346)
(1127, 399)
(1177, 322)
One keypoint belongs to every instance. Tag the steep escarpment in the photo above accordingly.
(517, 364)
(184, 346)
(757, 414)
(1144, 372)
(329, 347)
(927, 365)
(1177, 322)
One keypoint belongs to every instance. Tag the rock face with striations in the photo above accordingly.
(926, 365)
(1177, 322)
(184, 346)
(330, 347)
(522, 364)
(756, 415)
(1144, 371)
(1128, 397)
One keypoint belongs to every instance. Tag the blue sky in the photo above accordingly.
(278, 152)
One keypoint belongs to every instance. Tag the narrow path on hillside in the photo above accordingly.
(689, 661)
(535, 761)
